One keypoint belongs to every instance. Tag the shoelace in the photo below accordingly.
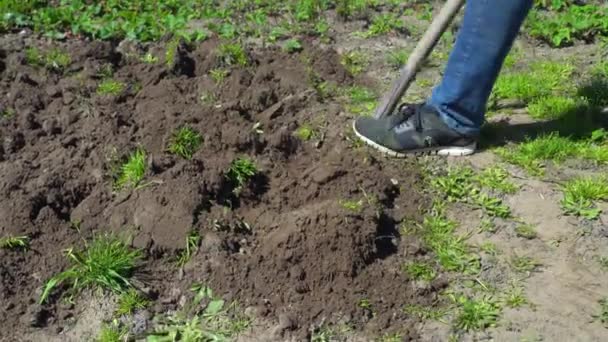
(405, 111)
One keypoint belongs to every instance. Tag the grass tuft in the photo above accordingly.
(130, 302)
(132, 171)
(15, 242)
(397, 58)
(382, 24)
(110, 87)
(233, 54)
(193, 240)
(185, 142)
(105, 263)
(581, 193)
(354, 62)
(112, 333)
(305, 132)
(54, 60)
(526, 231)
(240, 172)
(420, 271)
(476, 314)
(524, 264)
(602, 316)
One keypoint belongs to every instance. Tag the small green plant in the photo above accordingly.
(383, 24)
(420, 271)
(524, 264)
(496, 178)
(354, 62)
(112, 333)
(348, 8)
(213, 321)
(603, 261)
(452, 252)
(487, 225)
(476, 314)
(193, 240)
(232, 54)
(305, 132)
(489, 248)
(361, 101)
(7, 114)
(352, 205)
(602, 316)
(240, 172)
(515, 297)
(425, 313)
(526, 231)
(292, 45)
(149, 58)
(110, 87)
(55, 59)
(105, 263)
(219, 75)
(394, 337)
(580, 194)
(132, 171)
(185, 142)
(564, 24)
(15, 242)
(397, 58)
(130, 302)
(552, 107)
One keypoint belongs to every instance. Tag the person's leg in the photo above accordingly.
(484, 40)
(448, 124)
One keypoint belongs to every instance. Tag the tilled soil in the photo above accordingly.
(287, 248)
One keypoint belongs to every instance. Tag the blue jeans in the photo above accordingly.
(484, 40)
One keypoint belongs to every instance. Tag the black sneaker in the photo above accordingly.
(414, 129)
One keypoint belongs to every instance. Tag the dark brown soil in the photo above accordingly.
(306, 258)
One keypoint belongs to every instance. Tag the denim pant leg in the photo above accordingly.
(484, 40)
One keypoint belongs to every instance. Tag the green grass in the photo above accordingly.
(105, 263)
(130, 302)
(111, 333)
(7, 114)
(352, 205)
(515, 297)
(112, 19)
(218, 75)
(15, 242)
(461, 184)
(110, 87)
(602, 316)
(603, 262)
(489, 248)
(425, 313)
(382, 24)
(524, 264)
(54, 59)
(476, 313)
(193, 240)
(354, 62)
(292, 45)
(595, 91)
(232, 54)
(241, 171)
(496, 178)
(532, 154)
(553, 106)
(564, 24)
(581, 193)
(542, 79)
(419, 271)
(305, 132)
(132, 171)
(397, 58)
(184, 142)
(451, 250)
(361, 101)
(526, 231)
(205, 318)
(348, 8)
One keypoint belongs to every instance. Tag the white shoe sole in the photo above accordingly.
(458, 151)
